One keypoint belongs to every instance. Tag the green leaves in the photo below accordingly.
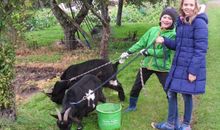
(133, 14)
(1, 24)
(41, 19)
(7, 57)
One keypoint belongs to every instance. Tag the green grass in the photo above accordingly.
(45, 58)
(44, 37)
(49, 35)
(120, 33)
(208, 110)
(34, 114)
(123, 31)
(36, 105)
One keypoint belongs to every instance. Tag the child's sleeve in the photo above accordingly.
(170, 43)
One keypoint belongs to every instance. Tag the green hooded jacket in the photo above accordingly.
(159, 57)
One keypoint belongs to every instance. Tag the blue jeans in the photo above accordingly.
(173, 108)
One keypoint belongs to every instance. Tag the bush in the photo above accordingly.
(41, 19)
(7, 58)
(146, 13)
(31, 20)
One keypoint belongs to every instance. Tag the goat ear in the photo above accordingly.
(49, 94)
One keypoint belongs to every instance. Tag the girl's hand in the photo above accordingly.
(191, 77)
(159, 39)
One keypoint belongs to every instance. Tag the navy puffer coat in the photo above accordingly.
(191, 45)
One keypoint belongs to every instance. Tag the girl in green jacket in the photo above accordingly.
(158, 57)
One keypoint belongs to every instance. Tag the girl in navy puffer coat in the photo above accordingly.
(188, 72)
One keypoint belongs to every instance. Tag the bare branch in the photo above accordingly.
(95, 13)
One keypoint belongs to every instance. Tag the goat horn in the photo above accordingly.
(65, 117)
(59, 115)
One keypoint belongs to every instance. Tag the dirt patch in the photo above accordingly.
(29, 80)
(35, 76)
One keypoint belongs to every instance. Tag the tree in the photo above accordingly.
(7, 56)
(8, 38)
(105, 20)
(70, 25)
(106, 29)
(119, 14)
(7, 95)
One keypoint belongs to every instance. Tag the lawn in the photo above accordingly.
(208, 108)
(34, 113)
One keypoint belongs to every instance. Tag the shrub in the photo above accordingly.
(146, 13)
(7, 57)
(41, 19)
(31, 20)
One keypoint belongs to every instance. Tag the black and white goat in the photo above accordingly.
(74, 108)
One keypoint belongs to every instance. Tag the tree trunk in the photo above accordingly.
(105, 20)
(106, 31)
(68, 24)
(7, 106)
(8, 113)
(7, 102)
(41, 4)
(104, 42)
(119, 14)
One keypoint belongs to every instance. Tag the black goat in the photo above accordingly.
(103, 73)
